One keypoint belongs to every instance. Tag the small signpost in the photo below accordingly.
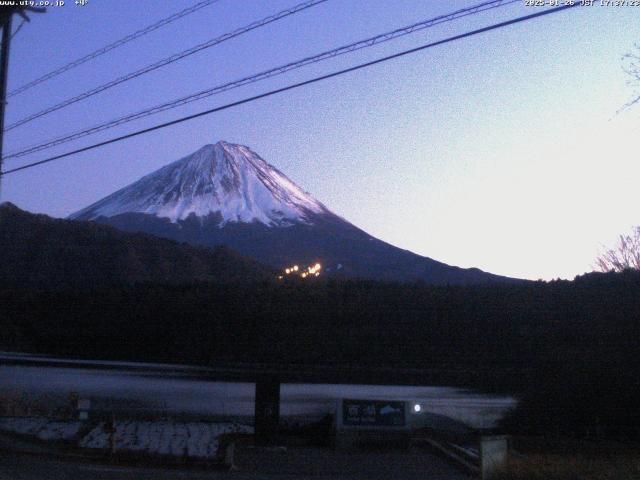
(84, 405)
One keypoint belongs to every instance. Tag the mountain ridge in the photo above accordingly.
(44, 252)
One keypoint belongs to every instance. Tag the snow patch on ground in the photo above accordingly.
(41, 428)
(180, 439)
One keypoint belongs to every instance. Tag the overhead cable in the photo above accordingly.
(112, 46)
(295, 86)
(369, 42)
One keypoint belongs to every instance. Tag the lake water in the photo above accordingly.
(150, 389)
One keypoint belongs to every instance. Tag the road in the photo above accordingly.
(316, 464)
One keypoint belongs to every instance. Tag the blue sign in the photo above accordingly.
(373, 413)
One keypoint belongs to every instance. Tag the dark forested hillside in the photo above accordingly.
(594, 317)
(39, 251)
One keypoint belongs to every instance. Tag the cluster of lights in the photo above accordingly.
(312, 271)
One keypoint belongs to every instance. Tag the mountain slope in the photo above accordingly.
(225, 194)
(39, 251)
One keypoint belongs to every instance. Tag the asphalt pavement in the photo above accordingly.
(252, 464)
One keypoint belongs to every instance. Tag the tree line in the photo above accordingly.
(568, 349)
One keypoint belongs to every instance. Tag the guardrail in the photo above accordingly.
(490, 456)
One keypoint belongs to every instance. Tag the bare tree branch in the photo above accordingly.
(624, 255)
(631, 66)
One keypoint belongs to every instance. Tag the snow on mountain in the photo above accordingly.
(224, 178)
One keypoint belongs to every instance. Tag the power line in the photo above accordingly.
(297, 85)
(166, 61)
(112, 46)
(19, 28)
(369, 42)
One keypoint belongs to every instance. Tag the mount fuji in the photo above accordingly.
(226, 194)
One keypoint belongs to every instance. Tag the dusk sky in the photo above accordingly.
(503, 151)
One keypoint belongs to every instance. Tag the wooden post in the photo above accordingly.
(267, 410)
(111, 430)
(229, 455)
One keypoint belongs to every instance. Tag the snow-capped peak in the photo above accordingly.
(224, 178)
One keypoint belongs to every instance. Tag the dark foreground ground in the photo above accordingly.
(297, 463)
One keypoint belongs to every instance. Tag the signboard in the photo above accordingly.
(373, 413)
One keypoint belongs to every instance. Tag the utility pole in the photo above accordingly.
(6, 16)
(4, 67)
